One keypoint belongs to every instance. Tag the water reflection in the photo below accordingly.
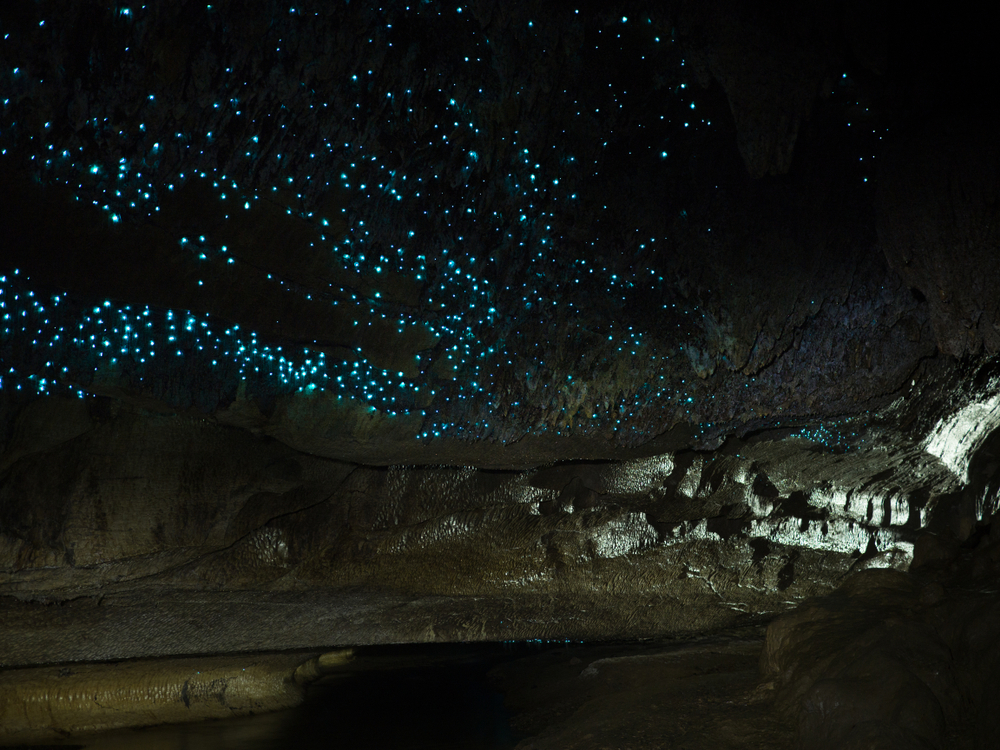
(389, 698)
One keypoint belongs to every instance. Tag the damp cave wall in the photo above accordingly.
(577, 304)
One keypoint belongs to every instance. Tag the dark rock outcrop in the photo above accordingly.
(893, 659)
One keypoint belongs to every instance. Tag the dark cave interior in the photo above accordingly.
(337, 324)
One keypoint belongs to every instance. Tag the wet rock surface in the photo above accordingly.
(52, 703)
(122, 523)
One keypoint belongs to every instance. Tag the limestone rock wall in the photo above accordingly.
(110, 511)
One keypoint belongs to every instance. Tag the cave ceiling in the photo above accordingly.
(301, 295)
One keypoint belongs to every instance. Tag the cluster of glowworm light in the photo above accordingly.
(69, 348)
(433, 225)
